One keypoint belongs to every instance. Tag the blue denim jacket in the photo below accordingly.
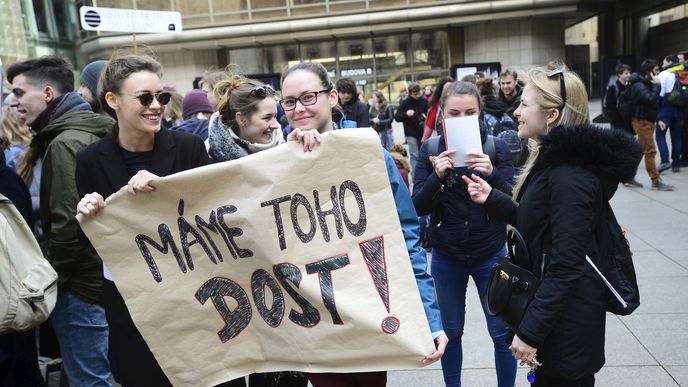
(411, 231)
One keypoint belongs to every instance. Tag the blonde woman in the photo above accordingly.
(573, 170)
(16, 133)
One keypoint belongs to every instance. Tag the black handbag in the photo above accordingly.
(510, 287)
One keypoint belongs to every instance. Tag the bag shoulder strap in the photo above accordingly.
(490, 150)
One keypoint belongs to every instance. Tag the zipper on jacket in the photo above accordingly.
(542, 265)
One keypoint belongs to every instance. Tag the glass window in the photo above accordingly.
(248, 60)
(41, 14)
(392, 64)
(385, 3)
(153, 5)
(257, 4)
(429, 50)
(64, 19)
(229, 5)
(115, 3)
(323, 52)
(191, 8)
(279, 57)
(310, 10)
(269, 14)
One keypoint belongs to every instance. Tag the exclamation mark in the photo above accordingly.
(373, 251)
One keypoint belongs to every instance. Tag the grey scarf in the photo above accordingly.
(225, 145)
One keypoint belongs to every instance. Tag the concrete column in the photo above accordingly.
(516, 44)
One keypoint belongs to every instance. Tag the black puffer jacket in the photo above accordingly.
(645, 97)
(578, 169)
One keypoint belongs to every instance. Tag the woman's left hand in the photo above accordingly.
(440, 344)
(522, 351)
(309, 138)
(480, 162)
(142, 181)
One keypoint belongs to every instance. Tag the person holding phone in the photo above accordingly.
(466, 242)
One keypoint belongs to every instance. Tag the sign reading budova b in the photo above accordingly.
(282, 260)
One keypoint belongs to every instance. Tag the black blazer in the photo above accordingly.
(100, 168)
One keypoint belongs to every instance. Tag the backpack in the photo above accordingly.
(27, 281)
(495, 125)
(517, 146)
(615, 262)
(679, 94)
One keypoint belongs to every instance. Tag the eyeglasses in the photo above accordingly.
(146, 98)
(308, 98)
(562, 85)
(261, 91)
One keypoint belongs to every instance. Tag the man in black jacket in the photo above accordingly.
(412, 112)
(645, 96)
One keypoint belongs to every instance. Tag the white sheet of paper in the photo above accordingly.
(463, 135)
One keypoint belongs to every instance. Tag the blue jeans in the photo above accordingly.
(412, 143)
(451, 281)
(82, 331)
(675, 126)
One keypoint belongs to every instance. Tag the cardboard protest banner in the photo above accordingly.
(282, 260)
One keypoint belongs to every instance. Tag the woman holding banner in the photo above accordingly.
(308, 99)
(133, 154)
(465, 241)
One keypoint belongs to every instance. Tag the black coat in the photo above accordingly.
(100, 168)
(414, 125)
(645, 97)
(460, 228)
(577, 171)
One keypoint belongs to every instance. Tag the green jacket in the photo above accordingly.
(79, 268)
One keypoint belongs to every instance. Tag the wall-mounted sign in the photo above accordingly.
(129, 20)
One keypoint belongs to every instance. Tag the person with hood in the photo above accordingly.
(510, 91)
(645, 88)
(382, 115)
(465, 241)
(196, 110)
(354, 112)
(90, 76)
(63, 124)
(572, 172)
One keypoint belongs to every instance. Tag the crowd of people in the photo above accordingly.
(543, 169)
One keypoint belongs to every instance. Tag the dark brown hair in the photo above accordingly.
(118, 70)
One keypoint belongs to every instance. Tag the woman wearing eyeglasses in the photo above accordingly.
(572, 172)
(308, 100)
(133, 154)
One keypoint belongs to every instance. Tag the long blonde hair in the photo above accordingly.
(14, 131)
(574, 112)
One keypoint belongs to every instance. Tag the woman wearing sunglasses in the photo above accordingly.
(308, 100)
(573, 171)
(133, 154)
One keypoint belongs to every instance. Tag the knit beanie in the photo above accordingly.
(195, 101)
(91, 74)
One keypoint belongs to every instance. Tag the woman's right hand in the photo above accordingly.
(477, 188)
(90, 205)
(142, 181)
(442, 163)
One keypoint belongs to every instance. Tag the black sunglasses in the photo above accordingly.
(261, 91)
(562, 85)
(146, 98)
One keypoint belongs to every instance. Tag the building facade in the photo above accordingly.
(382, 44)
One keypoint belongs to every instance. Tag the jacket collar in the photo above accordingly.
(161, 162)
